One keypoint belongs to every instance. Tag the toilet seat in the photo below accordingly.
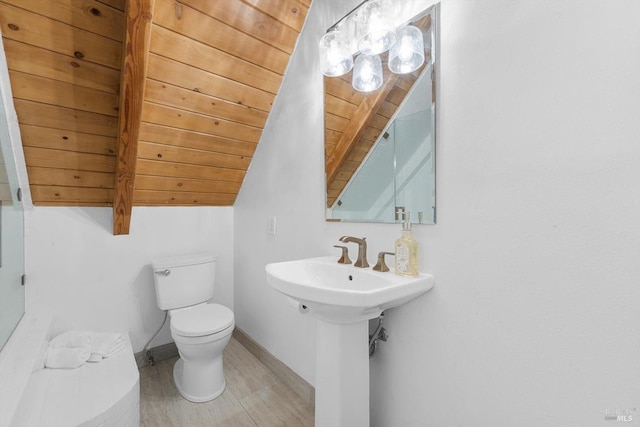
(201, 320)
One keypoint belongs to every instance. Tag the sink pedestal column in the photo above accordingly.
(342, 374)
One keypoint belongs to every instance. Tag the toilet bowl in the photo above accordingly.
(200, 329)
(201, 334)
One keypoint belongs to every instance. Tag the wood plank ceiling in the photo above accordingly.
(210, 72)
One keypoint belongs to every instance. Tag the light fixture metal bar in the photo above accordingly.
(346, 16)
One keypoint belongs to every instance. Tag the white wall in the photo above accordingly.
(86, 277)
(534, 317)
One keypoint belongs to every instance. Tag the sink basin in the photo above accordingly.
(342, 292)
(343, 298)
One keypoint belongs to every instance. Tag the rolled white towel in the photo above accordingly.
(104, 345)
(72, 339)
(66, 357)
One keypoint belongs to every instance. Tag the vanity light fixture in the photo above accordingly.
(335, 57)
(366, 32)
(367, 73)
(376, 33)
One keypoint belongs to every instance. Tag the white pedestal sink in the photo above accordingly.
(343, 298)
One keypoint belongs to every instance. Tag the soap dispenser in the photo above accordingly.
(406, 250)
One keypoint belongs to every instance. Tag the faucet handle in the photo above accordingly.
(344, 258)
(381, 265)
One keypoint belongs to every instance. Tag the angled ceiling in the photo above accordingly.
(144, 102)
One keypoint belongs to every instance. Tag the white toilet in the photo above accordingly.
(200, 329)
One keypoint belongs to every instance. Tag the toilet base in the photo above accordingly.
(178, 370)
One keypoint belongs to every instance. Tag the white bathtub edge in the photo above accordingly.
(22, 353)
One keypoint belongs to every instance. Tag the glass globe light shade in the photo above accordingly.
(407, 54)
(376, 33)
(367, 73)
(335, 58)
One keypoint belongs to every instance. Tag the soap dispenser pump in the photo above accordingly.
(406, 250)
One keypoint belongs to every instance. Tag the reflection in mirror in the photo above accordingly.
(11, 246)
(380, 146)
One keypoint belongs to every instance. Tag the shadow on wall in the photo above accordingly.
(102, 217)
(150, 316)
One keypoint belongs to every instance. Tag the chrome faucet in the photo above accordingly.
(362, 250)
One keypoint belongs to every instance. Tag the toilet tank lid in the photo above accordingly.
(183, 260)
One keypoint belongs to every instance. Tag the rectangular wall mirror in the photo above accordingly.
(380, 145)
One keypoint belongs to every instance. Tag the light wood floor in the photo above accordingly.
(253, 397)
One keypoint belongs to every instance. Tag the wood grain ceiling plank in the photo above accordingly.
(69, 196)
(171, 154)
(197, 102)
(70, 203)
(350, 166)
(362, 149)
(379, 122)
(160, 114)
(371, 134)
(143, 197)
(88, 15)
(339, 106)
(198, 26)
(116, 4)
(185, 76)
(331, 137)
(249, 20)
(27, 27)
(161, 183)
(343, 89)
(358, 126)
(305, 2)
(335, 123)
(56, 66)
(138, 18)
(65, 140)
(368, 137)
(47, 158)
(289, 12)
(338, 184)
(53, 92)
(69, 178)
(178, 170)
(179, 48)
(201, 141)
(407, 80)
(387, 109)
(396, 96)
(35, 113)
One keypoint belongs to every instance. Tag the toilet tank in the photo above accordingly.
(184, 280)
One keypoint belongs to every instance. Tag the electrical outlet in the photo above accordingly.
(272, 225)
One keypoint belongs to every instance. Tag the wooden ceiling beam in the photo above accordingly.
(365, 112)
(138, 20)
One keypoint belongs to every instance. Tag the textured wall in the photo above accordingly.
(87, 278)
(534, 317)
